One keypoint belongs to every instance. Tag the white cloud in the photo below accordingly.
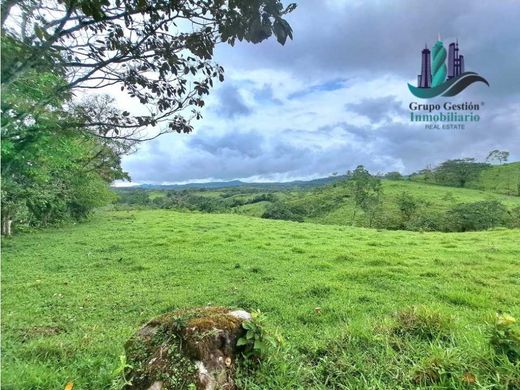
(336, 96)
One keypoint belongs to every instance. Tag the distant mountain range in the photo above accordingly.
(238, 183)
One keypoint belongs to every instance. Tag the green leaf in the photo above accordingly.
(241, 341)
(259, 345)
(279, 31)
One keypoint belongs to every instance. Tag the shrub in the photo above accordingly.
(134, 197)
(426, 220)
(263, 198)
(407, 205)
(387, 220)
(477, 216)
(514, 218)
(279, 210)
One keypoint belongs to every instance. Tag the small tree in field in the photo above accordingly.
(366, 191)
(407, 205)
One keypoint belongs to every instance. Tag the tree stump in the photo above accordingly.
(192, 348)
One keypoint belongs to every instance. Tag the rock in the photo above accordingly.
(193, 347)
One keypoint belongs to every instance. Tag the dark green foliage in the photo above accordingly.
(281, 210)
(514, 220)
(393, 176)
(477, 216)
(458, 172)
(50, 172)
(407, 205)
(134, 197)
(263, 198)
(424, 175)
(427, 220)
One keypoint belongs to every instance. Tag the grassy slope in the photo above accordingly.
(72, 296)
(437, 198)
(503, 179)
(333, 204)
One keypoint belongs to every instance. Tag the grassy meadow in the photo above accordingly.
(357, 308)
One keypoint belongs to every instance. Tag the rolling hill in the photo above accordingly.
(333, 204)
(502, 179)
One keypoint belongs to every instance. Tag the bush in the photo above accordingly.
(477, 216)
(134, 197)
(257, 341)
(514, 218)
(263, 198)
(279, 210)
(407, 206)
(426, 220)
(387, 220)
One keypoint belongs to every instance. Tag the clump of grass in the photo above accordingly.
(436, 368)
(318, 291)
(505, 337)
(346, 361)
(423, 322)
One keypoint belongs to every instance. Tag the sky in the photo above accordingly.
(336, 96)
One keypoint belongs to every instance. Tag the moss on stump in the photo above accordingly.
(189, 347)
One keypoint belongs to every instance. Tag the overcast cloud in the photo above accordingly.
(336, 96)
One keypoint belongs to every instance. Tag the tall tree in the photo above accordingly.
(367, 192)
(498, 156)
(52, 170)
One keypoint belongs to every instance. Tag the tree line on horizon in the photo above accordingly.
(369, 206)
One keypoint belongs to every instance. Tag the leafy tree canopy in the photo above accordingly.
(51, 171)
(158, 51)
(458, 172)
(498, 156)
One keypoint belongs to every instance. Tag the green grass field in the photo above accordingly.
(72, 296)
